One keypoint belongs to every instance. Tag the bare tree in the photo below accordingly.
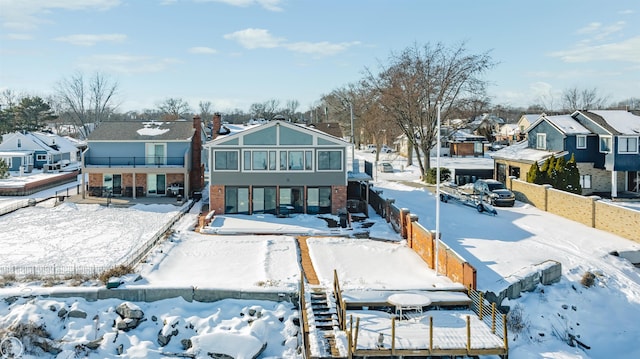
(267, 110)
(206, 111)
(290, 109)
(87, 100)
(174, 108)
(582, 99)
(417, 80)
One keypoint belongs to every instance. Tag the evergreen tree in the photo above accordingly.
(32, 114)
(560, 179)
(4, 169)
(572, 175)
(533, 176)
(544, 172)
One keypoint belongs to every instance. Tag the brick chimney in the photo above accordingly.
(196, 175)
(217, 123)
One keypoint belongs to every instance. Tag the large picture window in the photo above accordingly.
(329, 160)
(627, 144)
(226, 160)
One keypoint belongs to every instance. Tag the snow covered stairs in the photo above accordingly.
(323, 319)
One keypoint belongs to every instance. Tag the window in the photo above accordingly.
(226, 160)
(41, 157)
(627, 144)
(605, 144)
(329, 160)
(264, 200)
(236, 200)
(541, 141)
(581, 142)
(585, 181)
(19, 143)
(318, 200)
(156, 154)
(255, 160)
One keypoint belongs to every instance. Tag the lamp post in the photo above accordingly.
(437, 187)
(353, 143)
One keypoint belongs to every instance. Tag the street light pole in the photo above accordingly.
(353, 142)
(437, 188)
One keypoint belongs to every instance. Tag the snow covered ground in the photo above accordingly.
(501, 248)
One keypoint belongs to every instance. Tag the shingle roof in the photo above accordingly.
(179, 130)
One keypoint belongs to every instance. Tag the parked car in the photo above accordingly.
(494, 192)
(383, 149)
(386, 167)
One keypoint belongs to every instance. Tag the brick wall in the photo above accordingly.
(216, 199)
(338, 198)
(617, 220)
(571, 206)
(528, 192)
(588, 210)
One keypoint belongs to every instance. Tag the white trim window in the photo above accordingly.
(605, 144)
(156, 153)
(581, 142)
(329, 160)
(585, 181)
(628, 144)
(226, 161)
(541, 141)
(42, 157)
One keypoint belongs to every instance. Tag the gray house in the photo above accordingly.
(278, 167)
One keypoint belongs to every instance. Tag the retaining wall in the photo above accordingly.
(588, 210)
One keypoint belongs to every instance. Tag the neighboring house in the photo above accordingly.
(50, 151)
(145, 158)
(509, 133)
(524, 122)
(463, 143)
(616, 146)
(279, 168)
(18, 160)
(603, 143)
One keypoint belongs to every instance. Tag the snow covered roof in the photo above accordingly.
(565, 123)
(181, 130)
(522, 153)
(624, 122)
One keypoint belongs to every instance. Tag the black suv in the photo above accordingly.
(494, 192)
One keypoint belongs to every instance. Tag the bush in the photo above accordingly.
(588, 279)
(431, 177)
(516, 322)
(118, 271)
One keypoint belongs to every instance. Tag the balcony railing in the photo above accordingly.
(133, 161)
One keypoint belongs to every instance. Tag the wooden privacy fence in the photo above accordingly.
(423, 242)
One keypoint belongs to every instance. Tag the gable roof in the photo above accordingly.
(616, 122)
(566, 124)
(179, 130)
(38, 141)
(225, 139)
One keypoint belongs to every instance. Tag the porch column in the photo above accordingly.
(614, 184)
(133, 193)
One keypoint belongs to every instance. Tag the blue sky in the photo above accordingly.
(238, 52)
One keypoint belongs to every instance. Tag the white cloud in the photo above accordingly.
(271, 5)
(255, 38)
(127, 64)
(21, 37)
(320, 48)
(202, 50)
(600, 32)
(91, 39)
(29, 14)
(261, 38)
(624, 51)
